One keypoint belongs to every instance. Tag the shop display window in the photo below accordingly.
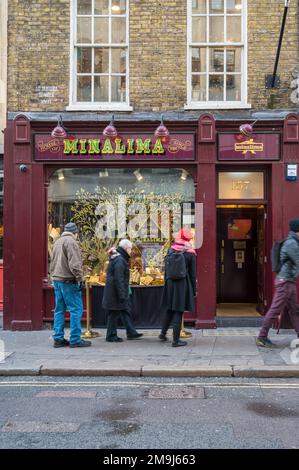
(148, 206)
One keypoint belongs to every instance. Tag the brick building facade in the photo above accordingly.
(39, 49)
(202, 63)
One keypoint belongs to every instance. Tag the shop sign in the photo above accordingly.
(91, 147)
(255, 147)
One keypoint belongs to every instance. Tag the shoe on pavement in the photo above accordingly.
(82, 344)
(179, 343)
(61, 344)
(117, 339)
(265, 343)
(137, 336)
(162, 337)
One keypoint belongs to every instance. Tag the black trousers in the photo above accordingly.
(174, 317)
(112, 322)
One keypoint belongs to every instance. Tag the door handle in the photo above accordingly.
(222, 269)
(222, 255)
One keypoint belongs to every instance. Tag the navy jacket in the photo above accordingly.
(116, 291)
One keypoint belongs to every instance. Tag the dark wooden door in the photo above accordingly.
(237, 255)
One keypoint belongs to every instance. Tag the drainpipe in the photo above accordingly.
(286, 7)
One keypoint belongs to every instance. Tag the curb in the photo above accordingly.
(19, 372)
(92, 372)
(267, 371)
(191, 371)
(160, 371)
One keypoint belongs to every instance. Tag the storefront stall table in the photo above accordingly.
(146, 311)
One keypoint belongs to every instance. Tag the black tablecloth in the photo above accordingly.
(145, 307)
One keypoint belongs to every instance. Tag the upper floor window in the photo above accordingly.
(100, 54)
(217, 51)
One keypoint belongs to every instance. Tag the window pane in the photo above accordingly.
(101, 88)
(118, 60)
(118, 89)
(118, 26)
(217, 60)
(198, 59)
(241, 185)
(199, 88)
(199, 6)
(118, 7)
(84, 89)
(216, 28)
(84, 7)
(216, 87)
(216, 6)
(233, 29)
(233, 87)
(84, 30)
(101, 31)
(84, 59)
(233, 60)
(88, 195)
(101, 7)
(101, 60)
(234, 6)
(199, 29)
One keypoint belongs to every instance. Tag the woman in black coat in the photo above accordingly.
(178, 295)
(116, 298)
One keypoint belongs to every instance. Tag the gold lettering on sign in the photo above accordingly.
(52, 145)
(249, 146)
(175, 145)
(240, 185)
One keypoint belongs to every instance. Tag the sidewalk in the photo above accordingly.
(230, 352)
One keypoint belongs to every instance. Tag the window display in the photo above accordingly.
(148, 206)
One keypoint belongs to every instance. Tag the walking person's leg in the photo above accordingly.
(177, 324)
(59, 316)
(278, 304)
(166, 324)
(293, 307)
(126, 318)
(111, 333)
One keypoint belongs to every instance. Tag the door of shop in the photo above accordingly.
(240, 248)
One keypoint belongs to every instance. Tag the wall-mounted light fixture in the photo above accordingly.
(110, 132)
(138, 175)
(247, 129)
(60, 175)
(162, 132)
(59, 132)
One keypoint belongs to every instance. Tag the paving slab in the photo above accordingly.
(237, 360)
(235, 345)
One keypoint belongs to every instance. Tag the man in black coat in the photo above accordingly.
(116, 297)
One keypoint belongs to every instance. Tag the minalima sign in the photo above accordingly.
(90, 147)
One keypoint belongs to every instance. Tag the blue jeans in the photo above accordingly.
(67, 297)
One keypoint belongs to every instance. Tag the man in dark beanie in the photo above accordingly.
(285, 295)
(67, 276)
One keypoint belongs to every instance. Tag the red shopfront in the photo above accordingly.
(197, 156)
